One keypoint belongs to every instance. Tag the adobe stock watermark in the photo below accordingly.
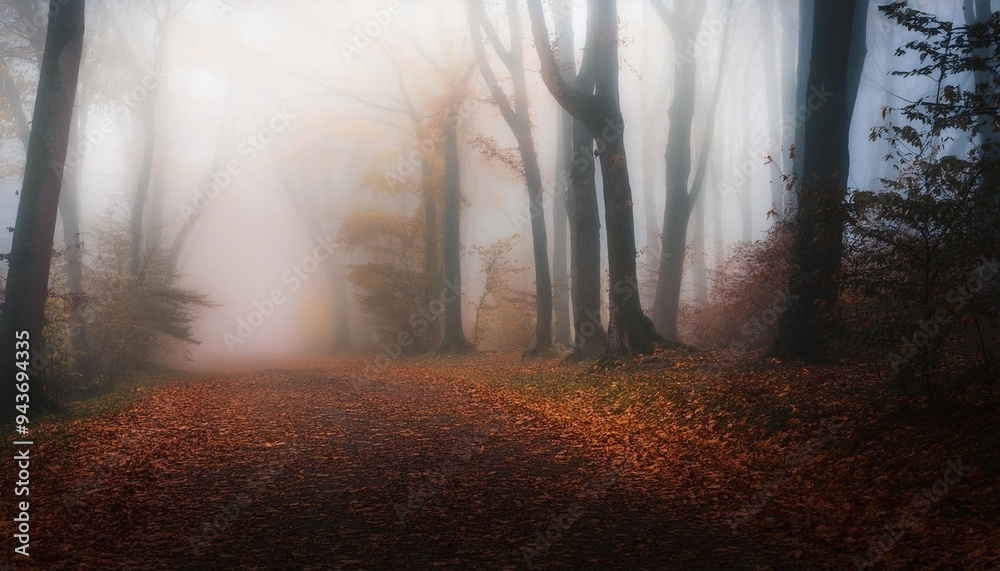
(707, 36)
(741, 173)
(429, 140)
(96, 135)
(418, 495)
(921, 504)
(420, 321)
(560, 523)
(293, 278)
(795, 462)
(956, 299)
(249, 148)
(363, 36)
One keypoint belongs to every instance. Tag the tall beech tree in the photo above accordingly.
(31, 246)
(578, 172)
(69, 211)
(629, 330)
(835, 60)
(518, 118)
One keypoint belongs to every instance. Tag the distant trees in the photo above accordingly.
(629, 330)
(835, 60)
(306, 183)
(148, 116)
(31, 249)
(683, 22)
(683, 191)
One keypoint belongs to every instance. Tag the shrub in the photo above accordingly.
(748, 296)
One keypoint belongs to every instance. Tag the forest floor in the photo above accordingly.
(487, 461)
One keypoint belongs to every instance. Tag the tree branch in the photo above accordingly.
(576, 103)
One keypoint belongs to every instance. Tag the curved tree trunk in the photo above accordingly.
(589, 336)
(629, 330)
(146, 170)
(684, 23)
(518, 118)
(539, 242)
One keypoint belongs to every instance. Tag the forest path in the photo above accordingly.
(309, 468)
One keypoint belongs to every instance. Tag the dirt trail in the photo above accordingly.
(309, 469)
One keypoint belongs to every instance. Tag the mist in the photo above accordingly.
(614, 210)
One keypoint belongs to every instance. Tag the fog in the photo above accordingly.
(274, 122)
(461, 284)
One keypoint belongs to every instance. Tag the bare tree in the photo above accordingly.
(518, 118)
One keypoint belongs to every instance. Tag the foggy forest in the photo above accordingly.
(500, 284)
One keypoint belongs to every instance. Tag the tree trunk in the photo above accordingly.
(676, 212)
(518, 118)
(746, 210)
(589, 337)
(68, 202)
(718, 244)
(807, 12)
(146, 169)
(699, 269)
(31, 247)
(837, 56)
(560, 229)
(69, 212)
(629, 331)
(539, 241)
(453, 336)
(789, 45)
(772, 90)
(978, 12)
(340, 316)
(432, 263)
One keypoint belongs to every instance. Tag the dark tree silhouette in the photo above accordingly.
(836, 58)
(589, 337)
(31, 247)
(629, 330)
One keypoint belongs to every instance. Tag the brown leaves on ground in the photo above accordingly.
(677, 460)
